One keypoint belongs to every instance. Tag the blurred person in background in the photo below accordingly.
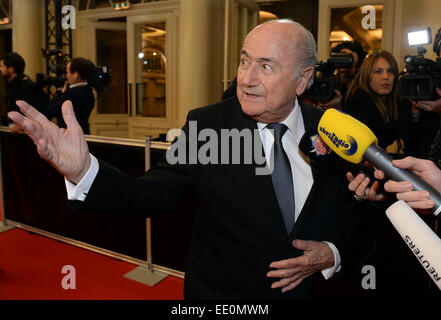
(19, 86)
(79, 73)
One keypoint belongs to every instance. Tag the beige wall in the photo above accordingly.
(27, 37)
(414, 15)
(195, 56)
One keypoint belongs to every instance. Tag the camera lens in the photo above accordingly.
(421, 88)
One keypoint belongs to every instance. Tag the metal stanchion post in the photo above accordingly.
(3, 226)
(141, 274)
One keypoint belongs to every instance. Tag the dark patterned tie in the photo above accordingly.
(282, 177)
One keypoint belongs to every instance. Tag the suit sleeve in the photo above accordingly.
(361, 107)
(418, 132)
(54, 108)
(34, 95)
(160, 190)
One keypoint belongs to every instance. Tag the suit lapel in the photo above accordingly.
(260, 185)
(305, 214)
(311, 117)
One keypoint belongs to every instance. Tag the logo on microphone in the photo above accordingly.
(350, 145)
(320, 148)
(353, 148)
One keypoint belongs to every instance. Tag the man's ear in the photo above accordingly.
(304, 79)
(11, 69)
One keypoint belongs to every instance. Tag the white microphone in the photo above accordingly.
(421, 240)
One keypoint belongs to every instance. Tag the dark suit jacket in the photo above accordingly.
(83, 102)
(417, 136)
(23, 88)
(239, 229)
(361, 106)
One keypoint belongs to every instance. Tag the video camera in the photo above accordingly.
(100, 79)
(59, 69)
(421, 76)
(325, 78)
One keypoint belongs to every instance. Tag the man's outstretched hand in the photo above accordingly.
(65, 149)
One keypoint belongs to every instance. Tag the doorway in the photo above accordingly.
(5, 46)
(140, 48)
(345, 26)
(111, 53)
(341, 15)
(150, 48)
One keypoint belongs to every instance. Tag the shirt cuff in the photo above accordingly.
(79, 191)
(329, 272)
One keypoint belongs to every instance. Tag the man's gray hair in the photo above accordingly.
(306, 55)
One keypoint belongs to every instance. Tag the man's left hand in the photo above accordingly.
(317, 256)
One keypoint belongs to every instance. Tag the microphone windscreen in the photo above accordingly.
(421, 240)
(345, 135)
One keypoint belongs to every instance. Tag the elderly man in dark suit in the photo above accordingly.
(257, 236)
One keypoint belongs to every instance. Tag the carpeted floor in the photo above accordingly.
(31, 268)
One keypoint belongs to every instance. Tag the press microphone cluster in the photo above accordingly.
(354, 141)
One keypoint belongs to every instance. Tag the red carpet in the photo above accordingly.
(31, 268)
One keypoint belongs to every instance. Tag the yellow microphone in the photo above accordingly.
(345, 135)
(354, 141)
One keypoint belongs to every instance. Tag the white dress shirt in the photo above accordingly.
(78, 84)
(300, 167)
